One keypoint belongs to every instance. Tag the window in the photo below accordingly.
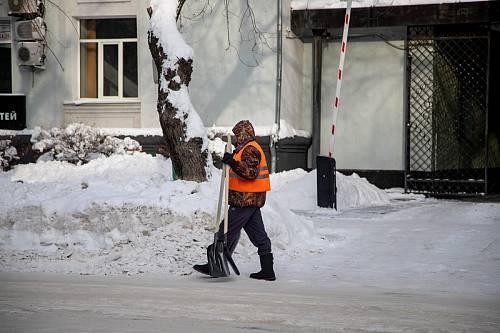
(5, 58)
(108, 58)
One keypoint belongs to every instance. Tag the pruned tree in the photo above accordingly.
(182, 127)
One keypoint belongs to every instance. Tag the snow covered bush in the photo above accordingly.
(8, 153)
(79, 143)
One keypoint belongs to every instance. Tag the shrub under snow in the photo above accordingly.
(79, 143)
(8, 153)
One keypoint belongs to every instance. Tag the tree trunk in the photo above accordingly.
(182, 128)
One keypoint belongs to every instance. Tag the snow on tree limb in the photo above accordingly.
(164, 27)
(182, 127)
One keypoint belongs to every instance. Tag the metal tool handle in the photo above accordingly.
(226, 195)
(219, 202)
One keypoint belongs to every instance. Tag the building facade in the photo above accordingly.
(98, 70)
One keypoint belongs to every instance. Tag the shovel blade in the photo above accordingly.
(229, 259)
(217, 261)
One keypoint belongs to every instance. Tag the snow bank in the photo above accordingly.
(297, 188)
(124, 214)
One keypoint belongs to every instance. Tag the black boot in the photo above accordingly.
(203, 269)
(266, 272)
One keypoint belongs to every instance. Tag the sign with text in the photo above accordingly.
(5, 32)
(12, 112)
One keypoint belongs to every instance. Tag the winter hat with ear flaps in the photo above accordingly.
(244, 131)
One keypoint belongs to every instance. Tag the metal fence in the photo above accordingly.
(447, 81)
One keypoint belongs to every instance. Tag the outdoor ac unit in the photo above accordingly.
(31, 54)
(25, 8)
(30, 30)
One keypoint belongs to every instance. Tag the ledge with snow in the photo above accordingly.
(387, 17)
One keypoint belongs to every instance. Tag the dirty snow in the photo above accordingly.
(125, 214)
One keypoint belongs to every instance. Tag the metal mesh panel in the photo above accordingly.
(447, 92)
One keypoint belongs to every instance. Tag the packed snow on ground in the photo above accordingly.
(125, 214)
(329, 4)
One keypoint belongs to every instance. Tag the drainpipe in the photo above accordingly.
(317, 55)
(279, 67)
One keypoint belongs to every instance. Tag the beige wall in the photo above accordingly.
(228, 84)
(370, 123)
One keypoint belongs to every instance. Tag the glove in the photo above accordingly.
(229, 160)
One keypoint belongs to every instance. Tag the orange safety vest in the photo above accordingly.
(260, 184)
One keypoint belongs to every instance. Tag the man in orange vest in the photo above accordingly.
(248, 183)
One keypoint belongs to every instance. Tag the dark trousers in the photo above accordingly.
(249, 219)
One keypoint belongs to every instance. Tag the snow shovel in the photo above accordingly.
(217, 253)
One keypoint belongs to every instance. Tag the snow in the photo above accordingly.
(331, 4)
(164, 26)
(78, 143)
(8, 153)
(132, 131)
(125, 213)
(286, 131)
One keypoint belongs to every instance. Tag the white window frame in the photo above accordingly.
(100, 68)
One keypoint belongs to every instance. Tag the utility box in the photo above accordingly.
(12, 111)
(326, 182)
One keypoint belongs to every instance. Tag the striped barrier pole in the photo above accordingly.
(343, 50)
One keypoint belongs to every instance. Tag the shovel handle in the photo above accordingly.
(226, 196)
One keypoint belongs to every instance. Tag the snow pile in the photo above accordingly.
(329, 4)
(8, 153)
(286, 131)
(298, 189)
(125, 214)
(79, 143)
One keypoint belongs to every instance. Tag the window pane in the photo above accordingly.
(108, 28)
(110, 70)
(5, 69)
(130, 69)
(88, 70)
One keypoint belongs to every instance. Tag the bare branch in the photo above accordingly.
(179, 9)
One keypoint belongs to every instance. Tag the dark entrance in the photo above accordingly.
(5, 68)
(447, 119)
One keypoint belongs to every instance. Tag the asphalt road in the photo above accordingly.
(34, 302)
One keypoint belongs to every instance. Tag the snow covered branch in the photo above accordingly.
(8, 153)
(79, 143)
(182, 127)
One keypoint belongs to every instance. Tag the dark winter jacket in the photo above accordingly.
(247, 168)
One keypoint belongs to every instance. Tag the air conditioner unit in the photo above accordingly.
(26, 8)
(30, 30)
(31, 54)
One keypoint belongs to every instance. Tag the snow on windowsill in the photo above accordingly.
(104, 101)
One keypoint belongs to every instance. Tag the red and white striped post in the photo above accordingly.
(343, 50)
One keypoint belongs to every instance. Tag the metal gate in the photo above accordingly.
(447, 93)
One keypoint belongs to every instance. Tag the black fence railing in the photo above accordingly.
(447, 89)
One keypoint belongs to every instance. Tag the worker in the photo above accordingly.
(248, 183)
